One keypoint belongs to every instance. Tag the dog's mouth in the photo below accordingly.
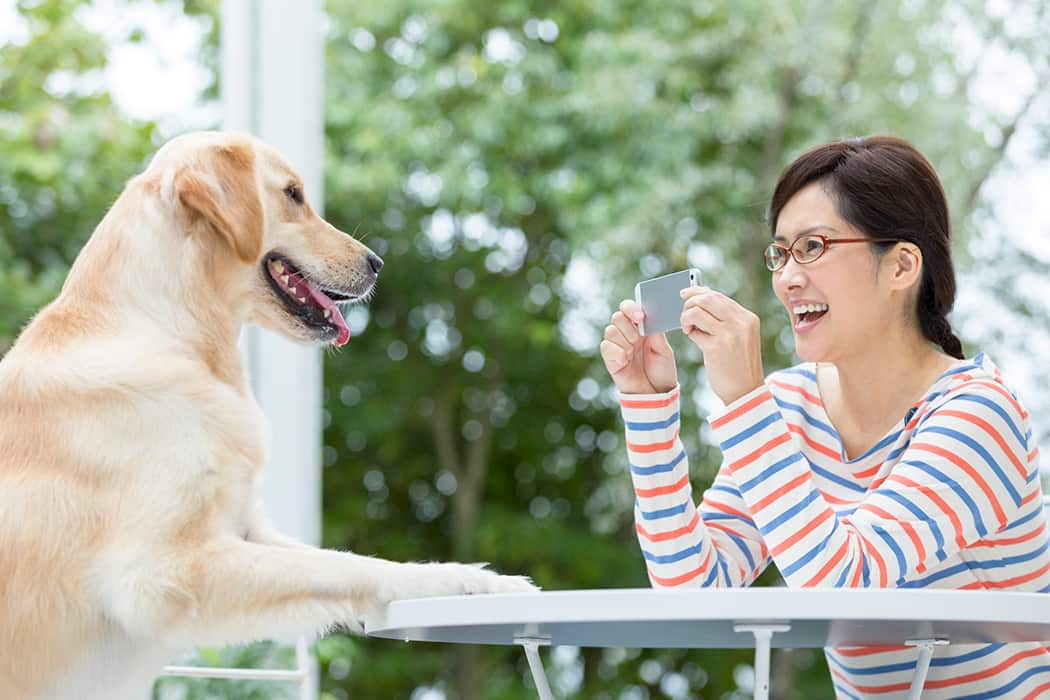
(314, 305)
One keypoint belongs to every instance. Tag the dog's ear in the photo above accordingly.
(221, 192)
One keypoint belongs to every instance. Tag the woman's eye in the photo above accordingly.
(294, 193)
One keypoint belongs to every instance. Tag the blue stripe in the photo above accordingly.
(910, 665)
(922, 516)
(727, 488)
(715, 515)
(1004, 689)
(769, 471)
(655, 425)
(749, 432)
(808, 418)
(799, 371)
(979, 449)
(992, 405)
(711, 577)
(740, 542)
(665, 513)
(789, 513)
(658, 468)
(902, 566)
(804, 559)
(674, 556)
(840, 691)
(835, 478)
(988, 564)
(966, 658)
(955, 486)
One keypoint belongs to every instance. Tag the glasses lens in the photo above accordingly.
(775, 257)
(808, 248)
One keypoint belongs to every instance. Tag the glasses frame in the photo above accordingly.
(828, 242)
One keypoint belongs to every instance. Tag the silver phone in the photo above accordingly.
(661, 301)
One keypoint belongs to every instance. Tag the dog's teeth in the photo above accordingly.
(284, 279)
(327, 313)
(278, 267)
(302, 300)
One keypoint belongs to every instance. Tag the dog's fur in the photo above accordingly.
(130, 443)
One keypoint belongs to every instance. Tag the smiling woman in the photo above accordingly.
(885, 460)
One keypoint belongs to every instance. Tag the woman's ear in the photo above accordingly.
(905, 263)
(221, 193)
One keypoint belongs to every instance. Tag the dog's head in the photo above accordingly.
(247, 210)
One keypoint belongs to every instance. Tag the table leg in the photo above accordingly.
(532, 654)
(763, 635)
(922, 665)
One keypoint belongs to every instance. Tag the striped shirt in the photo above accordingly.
(949, 498)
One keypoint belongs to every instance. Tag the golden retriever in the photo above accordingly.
(130, 525)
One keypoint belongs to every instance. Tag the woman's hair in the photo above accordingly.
(885, 188)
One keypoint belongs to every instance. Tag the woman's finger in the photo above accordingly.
(696, 316)
(632, 310)
(627, 326)
(613, 355)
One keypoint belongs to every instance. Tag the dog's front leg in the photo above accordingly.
(231, 591)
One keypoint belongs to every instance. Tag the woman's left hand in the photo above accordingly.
(728, 334)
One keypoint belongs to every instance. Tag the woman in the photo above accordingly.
(885, 459)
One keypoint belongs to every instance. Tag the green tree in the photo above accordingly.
(519, 166)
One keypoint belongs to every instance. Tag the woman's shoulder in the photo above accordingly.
(977, 378)
(795, 383)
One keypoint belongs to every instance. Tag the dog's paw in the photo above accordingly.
(429, 580)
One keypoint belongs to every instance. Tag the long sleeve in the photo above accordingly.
(961, 477)
(717, 545)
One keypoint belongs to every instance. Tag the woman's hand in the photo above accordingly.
(637, 365)
(728, 334)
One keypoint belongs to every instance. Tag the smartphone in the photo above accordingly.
(661, 302)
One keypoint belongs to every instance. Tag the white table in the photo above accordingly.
(712, 618)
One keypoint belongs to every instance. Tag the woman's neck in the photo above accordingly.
(871, 390)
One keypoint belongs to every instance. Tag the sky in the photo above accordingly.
(161, 79)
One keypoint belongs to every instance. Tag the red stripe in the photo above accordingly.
(649, 403)
(997, 388)
(1018, 580)
(1040, 529)
(920, 550)
(867, 651)
(984, 673)
(652, 446)
(1031, 497)
(965, 466)
(816, 446)
(810, 526)
(719, 506)
(987, 427)
(864, 474)
(752, 456)
(670, 534)
(740, 410)
(682, 578)
(896, 687)
(760, 505)
(828, 567)
(812, 398)
(873, 553)
(1037, 692)
(663, 490)
(932, 495)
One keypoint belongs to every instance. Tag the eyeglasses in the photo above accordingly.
(805, 249)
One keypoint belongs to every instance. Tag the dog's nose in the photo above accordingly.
(375, 262)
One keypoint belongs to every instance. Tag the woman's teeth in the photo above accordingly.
(808, 309)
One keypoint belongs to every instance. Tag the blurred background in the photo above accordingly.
(519, 166)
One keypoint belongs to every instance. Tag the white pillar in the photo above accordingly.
(272, 86)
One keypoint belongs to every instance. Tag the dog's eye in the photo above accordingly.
(294, 193)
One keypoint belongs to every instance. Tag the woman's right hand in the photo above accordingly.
(637, 365)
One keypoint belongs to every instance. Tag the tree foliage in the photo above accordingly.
(519, 166)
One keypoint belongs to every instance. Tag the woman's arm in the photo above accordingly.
(718, 546)
(961, 478)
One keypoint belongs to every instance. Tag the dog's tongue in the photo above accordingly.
(337, 318)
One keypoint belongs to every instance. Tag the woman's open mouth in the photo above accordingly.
(808, 315)
(308, 301)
